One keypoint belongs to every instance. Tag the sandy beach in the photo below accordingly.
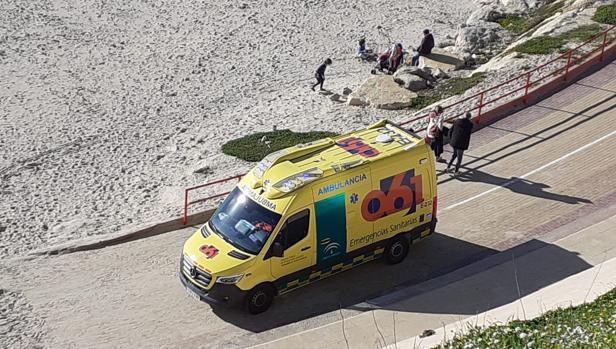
(108, 108)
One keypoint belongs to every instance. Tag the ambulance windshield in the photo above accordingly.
(243, 223)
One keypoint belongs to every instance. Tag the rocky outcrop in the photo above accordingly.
(414, 78)
(410, 81)
(381, 92)
(442, 59)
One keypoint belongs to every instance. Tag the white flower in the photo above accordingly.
(522, 335)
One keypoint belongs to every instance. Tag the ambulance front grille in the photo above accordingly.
(199, 277)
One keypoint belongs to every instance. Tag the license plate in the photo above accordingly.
(193, 294)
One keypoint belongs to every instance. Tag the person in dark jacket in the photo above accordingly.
(320, 74)
(425, 48)
(460, 137)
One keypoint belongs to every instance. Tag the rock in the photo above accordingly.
(439, 74)
(486, 13)
(335, 97)
(441, 59)
(476, 37)
(411, 82)
(557, 25)
(346, 91)
(422, 73)
(382, 92)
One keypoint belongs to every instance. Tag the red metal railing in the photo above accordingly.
(523, 82)
(209, 184)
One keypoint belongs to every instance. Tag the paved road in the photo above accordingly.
(546, 167)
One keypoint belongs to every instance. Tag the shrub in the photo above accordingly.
(514, 24)
(451, 87)
(589, 325)
(519, 25)
(421, 102)
(540, 45)
(605, 14)
(458, 86)
(251, 148)
(582, 33)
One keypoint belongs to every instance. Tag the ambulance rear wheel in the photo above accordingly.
(259, 299)
(396, 250)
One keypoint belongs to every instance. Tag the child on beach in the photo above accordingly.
(320, 74)
(363, 52)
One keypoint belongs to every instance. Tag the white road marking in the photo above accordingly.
(508, 183)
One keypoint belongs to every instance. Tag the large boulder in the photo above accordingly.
(476, 37)
(422, 73)
(382, 92)
(410, 81)
(441, 59)
(486, 13)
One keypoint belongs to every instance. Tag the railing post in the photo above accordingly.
(185, 206)
(603, 46)
(526, 87)
(568, 64)
(480, 107)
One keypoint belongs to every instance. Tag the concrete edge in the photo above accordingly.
(573, 296)
(145, 231)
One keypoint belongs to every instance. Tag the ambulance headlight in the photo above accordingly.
(230, 280)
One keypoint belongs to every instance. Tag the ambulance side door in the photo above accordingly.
(293, 248)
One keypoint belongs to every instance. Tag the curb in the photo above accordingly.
(147, 230)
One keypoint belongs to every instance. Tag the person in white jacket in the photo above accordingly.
(435, 131)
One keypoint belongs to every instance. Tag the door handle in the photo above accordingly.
(306, 248)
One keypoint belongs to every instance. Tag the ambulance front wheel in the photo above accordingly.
(259, 299)
(396, 250)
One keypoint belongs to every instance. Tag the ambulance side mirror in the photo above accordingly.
(277, 249)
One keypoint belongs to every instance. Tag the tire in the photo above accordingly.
(259, 299)
(396, 250)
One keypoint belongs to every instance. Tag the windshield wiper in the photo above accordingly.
(224, 237)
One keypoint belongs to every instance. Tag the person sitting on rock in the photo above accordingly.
(395, 58)
(425, 48)
(389, 60)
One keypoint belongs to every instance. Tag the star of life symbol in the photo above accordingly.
(354, 198)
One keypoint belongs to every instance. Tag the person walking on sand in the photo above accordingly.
(320, 74)
(435, 131)
(460, 139)
(425, 48)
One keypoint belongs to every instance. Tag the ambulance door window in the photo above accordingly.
(295, 229)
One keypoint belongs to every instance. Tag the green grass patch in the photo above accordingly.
(457, 86)
(582, 33)
(421, 102)
(591, 325)
(252, 148)
(605, 14)
(515, 24)
(519, 25)
(540, 45)
(451, 87)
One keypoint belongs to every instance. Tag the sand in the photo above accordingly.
(107, 108)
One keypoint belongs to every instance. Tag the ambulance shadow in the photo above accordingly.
(435, 256)
(503, 276)
(519, 185)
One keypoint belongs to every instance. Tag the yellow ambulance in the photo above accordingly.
(311, 211)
